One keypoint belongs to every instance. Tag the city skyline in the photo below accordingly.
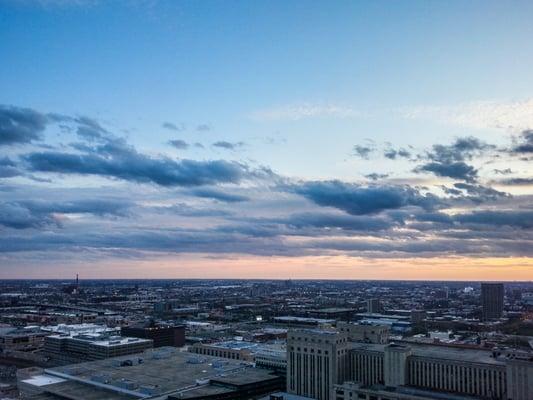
(288, 140)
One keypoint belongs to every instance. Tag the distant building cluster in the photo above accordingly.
(268, 340)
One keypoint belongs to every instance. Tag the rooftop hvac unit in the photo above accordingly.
(126, 384)
(100, 378)
(149, 390)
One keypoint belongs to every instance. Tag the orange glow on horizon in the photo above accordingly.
(317, 267)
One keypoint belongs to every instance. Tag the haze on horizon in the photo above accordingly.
(284, 139)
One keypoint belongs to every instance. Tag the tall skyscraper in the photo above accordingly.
(492, 300)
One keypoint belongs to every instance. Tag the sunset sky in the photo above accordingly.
(273, 139)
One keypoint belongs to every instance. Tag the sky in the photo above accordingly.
(266, 139)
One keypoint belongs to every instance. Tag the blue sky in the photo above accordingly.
(297, 88)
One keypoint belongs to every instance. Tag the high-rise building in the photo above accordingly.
(492, 300)
(317, 360)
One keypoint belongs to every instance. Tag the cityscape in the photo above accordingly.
(265, 339)
(266, 200)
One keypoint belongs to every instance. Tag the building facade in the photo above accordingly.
(316, 361)
(370, 333)
(162, 335)
(492, 295)
(405, 370)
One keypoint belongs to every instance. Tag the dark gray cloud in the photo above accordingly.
(37, 214)
(393, 154)
(525, 143)
(515, 181)
(516, 218)
(460, 150)
(359, 200)
(480, 193)
(375, 176)
(455, 170)
(219, 195)
(363, 151)
(90, 129)
(173, 127)
(117, 159)
(228, 145)
(340, 221)
(179, 144)
(449, 160)
(20, 125)
(8, 168)
(505, 171)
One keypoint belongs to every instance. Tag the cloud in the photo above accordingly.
(20, 125)
(295, 112)
(360, 200)
(228, 145)
(37, 214)
(219, 195)
(117, 159)
(525, 146)
(480, 193)
(449, 160)
(8, 168)
(363, 151)
(341, 221)
(179, 144)
(505, 171)
(513, 115)
(455, 170)
(375, 176)
(521, 219)
(515, 181)
(393, 154)
(90, 129)
(173, 127)
(203, 128)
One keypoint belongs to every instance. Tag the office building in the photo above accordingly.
(74, 348)
(160, 334)
(492, 301)
(270, 356)
(369, 333)
(373, 306)
(316, 360)
(406, 370)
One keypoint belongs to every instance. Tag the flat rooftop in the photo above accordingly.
(439, 352)
(148, 374)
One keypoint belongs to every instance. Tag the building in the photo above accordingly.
(492, 301)
(400, 324)
(234, 350)
(369, 333)
(21, 339)
(270, 356)
(160, 334)
(373, 306)
(316, 361)
(162, 373)
(409, 371)
(304, 322)
(74, 348)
